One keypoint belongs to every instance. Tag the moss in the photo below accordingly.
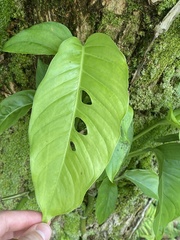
(165, 6)
(6, 9)
(16, 68)
(66, 227)
(124, 28)
(157, 88)
(18, 71)
(21, 68)
(71, 226)
(12, 19)
(131, 34)
(126, 192)
(109, 23)
(132, 5)
(14, 161)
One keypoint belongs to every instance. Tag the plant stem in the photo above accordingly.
(23, 201)
(83, 225)
(90, 204)
(14, 196)
(138, 152)
(145, 131)
(88, 210)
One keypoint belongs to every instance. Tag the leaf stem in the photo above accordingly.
(145, 131)
(138, 152)
(14, 196)
(23, 200)
(88, 210)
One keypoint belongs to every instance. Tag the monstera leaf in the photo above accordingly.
(64, 161)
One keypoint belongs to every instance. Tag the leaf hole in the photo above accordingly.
(72, 145)
(80, 126)
(86, 99)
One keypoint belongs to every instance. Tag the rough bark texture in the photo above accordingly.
(131, 24)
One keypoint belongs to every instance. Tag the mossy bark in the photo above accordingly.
(131, 25)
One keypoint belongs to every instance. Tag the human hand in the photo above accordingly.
(23, 225)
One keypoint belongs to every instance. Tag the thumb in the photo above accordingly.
(39, 231)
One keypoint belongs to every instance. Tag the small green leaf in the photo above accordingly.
(169, 138)
(146, 180)
(123, 146)
(106, 200)
(40, 71)
(174, 117)
(44, 38)
(14, 107)
(168, 208)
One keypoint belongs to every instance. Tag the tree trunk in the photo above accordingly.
(153, 86)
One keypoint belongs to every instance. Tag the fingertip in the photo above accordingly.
(40, 231)
(44, 230)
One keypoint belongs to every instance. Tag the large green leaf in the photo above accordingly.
(64, 162)
(169, 186)
(14, 107)
(146, 180)
(106, 200)
(123, 146)
(43, 38)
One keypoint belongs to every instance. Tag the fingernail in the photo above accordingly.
(44, 231)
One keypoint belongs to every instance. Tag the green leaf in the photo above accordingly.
(44, 38)
(122, 147)
(169, 186)
(146, 180)
(174, 117)
(106, 200)
(14, 107)
(64, 162)
(169, 138)
(40, 71)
